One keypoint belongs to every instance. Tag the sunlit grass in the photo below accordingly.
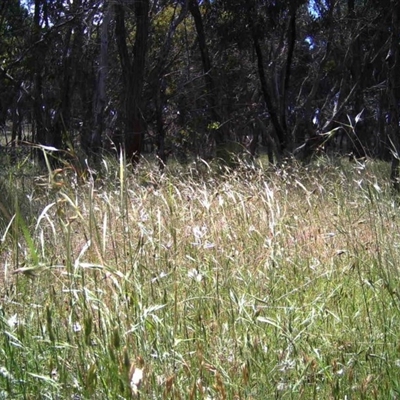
(255, 283)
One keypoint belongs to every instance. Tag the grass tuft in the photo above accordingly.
(251, 283)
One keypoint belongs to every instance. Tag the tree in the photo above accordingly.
(167, 26)
(219, 130)
(13, 93)
(393, 91)
(133, 73)
(199, 76)
(100, 94)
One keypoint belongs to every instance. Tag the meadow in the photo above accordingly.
(201, 283)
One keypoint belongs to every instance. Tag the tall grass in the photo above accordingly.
(203, 284)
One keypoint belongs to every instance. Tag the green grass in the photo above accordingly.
(255, 284)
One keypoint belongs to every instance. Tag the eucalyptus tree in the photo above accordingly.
(60, 65)
(133, 68)
(355, 72)
(194, 73)
(271, 30)
(166, 19)
(100, 98)
(14, 21)
(393, 91)
(210, 81)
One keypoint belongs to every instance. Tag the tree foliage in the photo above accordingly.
(191, 76)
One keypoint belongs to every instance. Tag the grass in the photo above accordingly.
(202, 284)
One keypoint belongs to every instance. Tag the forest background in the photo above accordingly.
(252, 252)
(199, 77)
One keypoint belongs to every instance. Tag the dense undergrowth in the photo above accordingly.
(258, 283)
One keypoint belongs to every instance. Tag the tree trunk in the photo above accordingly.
(37, 67)
(156, 79)
(133, 75)
(100, 97)
(280, 132)
(393, 64)
(162, 156)
(219, 133)
(291, 41)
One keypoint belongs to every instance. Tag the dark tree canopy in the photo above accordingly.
(197, 77)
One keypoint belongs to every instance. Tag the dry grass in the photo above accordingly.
(259, 283)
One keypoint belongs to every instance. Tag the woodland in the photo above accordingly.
(201, 77)
(197, 199)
